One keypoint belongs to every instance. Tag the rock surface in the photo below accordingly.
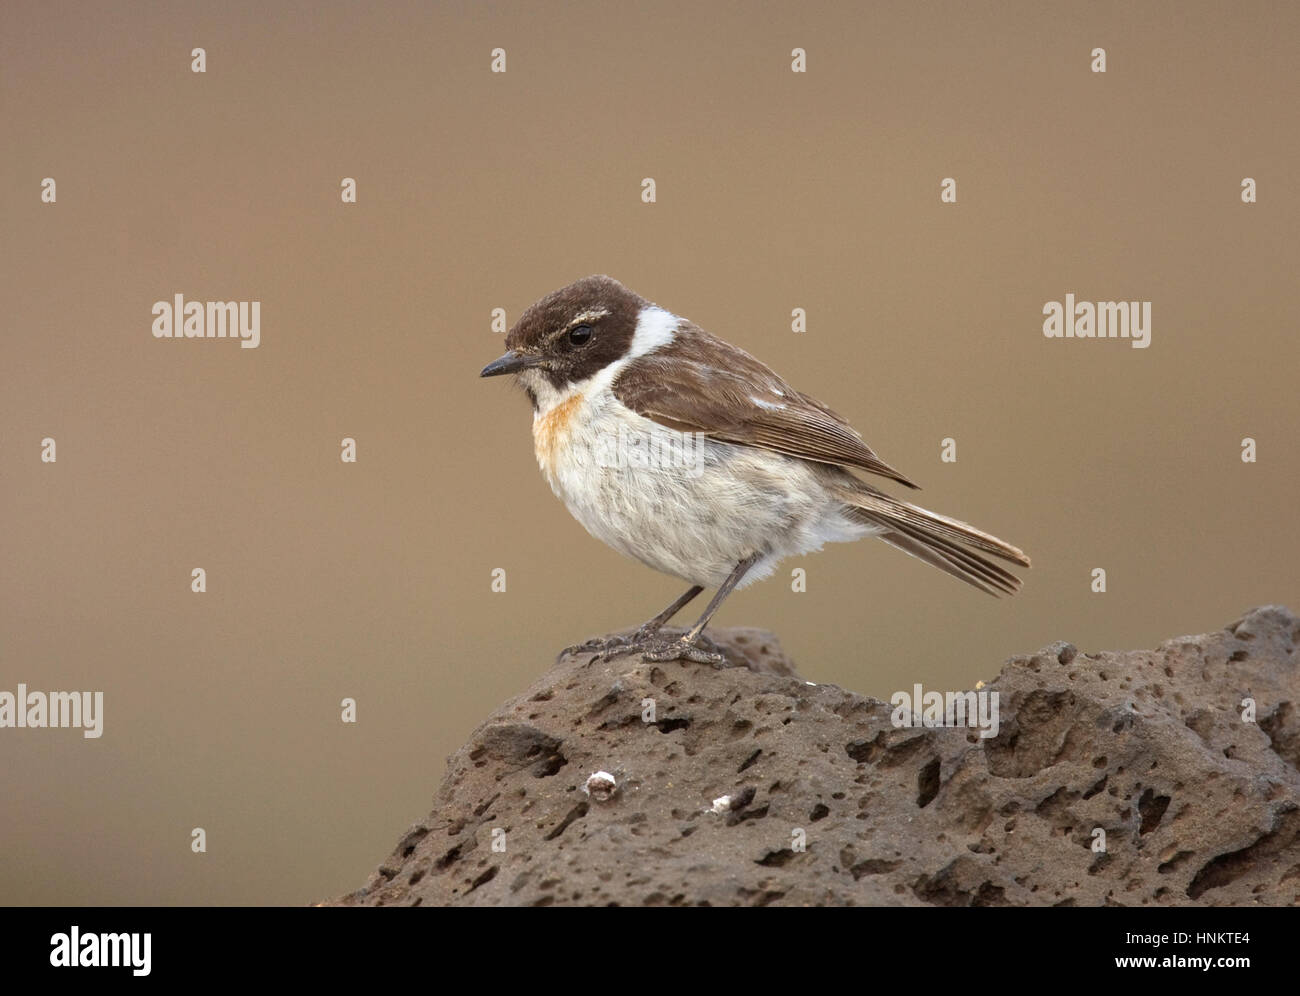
(1197, 805)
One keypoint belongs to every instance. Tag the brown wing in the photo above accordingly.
(699, 383)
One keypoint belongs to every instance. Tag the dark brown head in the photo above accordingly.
(570, 335)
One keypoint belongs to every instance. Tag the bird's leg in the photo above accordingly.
(643, 632)
(653, 626)
(685, 648)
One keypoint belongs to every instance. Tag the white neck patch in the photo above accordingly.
(655, 328)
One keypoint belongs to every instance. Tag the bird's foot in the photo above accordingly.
(652, 646)
(701, 651)
(680, 650)
(596, 646)
(617, 644)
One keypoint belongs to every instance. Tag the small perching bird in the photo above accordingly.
(690, 455)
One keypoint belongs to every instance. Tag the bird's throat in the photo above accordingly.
(551, 431)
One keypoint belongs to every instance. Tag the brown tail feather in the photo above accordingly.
(889, 508)
(935, 539)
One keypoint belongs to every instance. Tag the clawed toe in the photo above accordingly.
(597, 646)
(652, 647)
(680, 650)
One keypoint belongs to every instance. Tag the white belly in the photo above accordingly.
(687, 506)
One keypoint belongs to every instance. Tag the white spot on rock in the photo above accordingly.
(600, 786)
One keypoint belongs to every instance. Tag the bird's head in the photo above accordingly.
(569, 336)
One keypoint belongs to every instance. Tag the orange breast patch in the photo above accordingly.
(552, 429)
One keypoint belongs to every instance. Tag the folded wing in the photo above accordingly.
(697, 383)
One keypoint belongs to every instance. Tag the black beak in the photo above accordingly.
(512, 362)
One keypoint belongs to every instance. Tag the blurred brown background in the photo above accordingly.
(479, 190)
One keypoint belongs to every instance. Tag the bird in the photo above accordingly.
(687, 454)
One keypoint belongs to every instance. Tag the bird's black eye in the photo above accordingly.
(579, 334)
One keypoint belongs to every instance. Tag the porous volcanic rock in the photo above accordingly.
(1198, 805)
